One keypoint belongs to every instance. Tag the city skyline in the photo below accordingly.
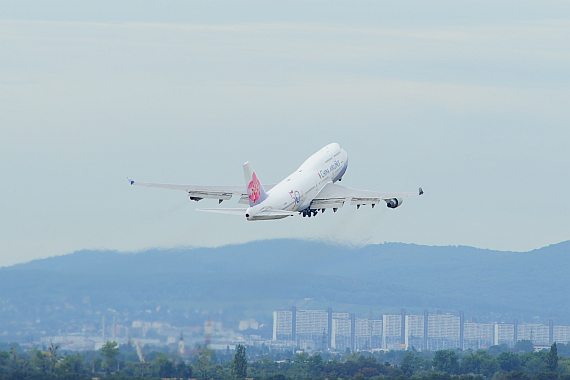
(326, 329)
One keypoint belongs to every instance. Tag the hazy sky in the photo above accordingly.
(470, 100)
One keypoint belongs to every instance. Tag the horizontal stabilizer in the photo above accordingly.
(262, 215)
(272, 211)
(234, 211)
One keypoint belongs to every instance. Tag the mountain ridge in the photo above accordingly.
(253, 279)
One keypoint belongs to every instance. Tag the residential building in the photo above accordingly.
(392, 331)
(443, 332)
(478, 335)
(561, 334)
(414, 331)
(537, 333)
(504, 333)
(283, 325)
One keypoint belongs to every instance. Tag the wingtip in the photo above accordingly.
(421, 191)
(131, 182)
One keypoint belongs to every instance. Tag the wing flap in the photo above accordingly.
(210, 195)
(334, 196)
(328, 203)
(364, 200)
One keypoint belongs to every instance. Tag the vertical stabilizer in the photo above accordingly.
(255, 190)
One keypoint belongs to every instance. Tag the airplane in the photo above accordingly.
(312, 187)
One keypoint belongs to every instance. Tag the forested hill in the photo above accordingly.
(256, 278)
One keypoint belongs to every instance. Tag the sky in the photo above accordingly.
(469, 100)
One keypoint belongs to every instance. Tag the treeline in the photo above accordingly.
(114, 363)
(441, 365)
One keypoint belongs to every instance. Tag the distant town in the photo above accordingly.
(327, 329)
(318, 330)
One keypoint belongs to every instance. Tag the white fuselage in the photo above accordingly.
(296, 192)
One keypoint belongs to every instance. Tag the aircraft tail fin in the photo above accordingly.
(255, 190)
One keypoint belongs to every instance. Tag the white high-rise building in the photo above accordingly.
(504, 334)
(537, 333)
(341, 332)
(561, 334)
(368, 334)
(443, 332)
(391, 331)
(478, 335)
(282, 325)
(414, 331)
(312, 326)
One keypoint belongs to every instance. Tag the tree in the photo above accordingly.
(239, 364)
(53, 356)
(515, 375)
(205, 359)
(509, 361)
(163, 366)
(69, 364)
(446, 361)
(406, 364)
(14, 348)
(439, 376)
(551, 360)
(183, 370)
(546, 376)
(4, 360)
(315, 366)
(496, 350)
(63, 367)
(533, 362)
(480, 362)
(413, 364)
(38, 361)
(523, 346)
(110, 352)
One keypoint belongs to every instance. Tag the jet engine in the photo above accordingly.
(393, 202)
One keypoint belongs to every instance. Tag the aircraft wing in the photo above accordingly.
(198, 192)
(334, 196)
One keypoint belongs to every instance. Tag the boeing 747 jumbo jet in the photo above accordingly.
(309, 189)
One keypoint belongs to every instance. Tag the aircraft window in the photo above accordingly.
(336, 154)
(328, 160)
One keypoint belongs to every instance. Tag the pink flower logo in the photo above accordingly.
(295, 195)
(253, 190)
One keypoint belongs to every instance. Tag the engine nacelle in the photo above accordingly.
(393, 202)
